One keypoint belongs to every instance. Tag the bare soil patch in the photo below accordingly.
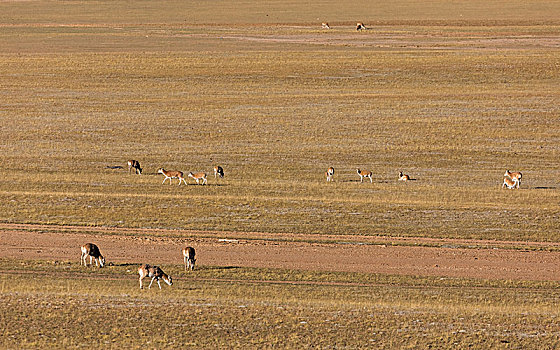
(258, 250)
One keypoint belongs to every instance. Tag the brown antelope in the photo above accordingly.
(188, 258)
(330, 173)
(403, 177)
(218, 171)
(366, 174)
(360, 26)
(509, 183)
(155, 273)
(172, 175)
(516, 176)
(325, 25)
(134, 164)
(91, 250)
(198, 177)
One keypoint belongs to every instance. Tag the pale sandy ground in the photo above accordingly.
(449, 258)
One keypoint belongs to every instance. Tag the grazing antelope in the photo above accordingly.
(91, 250)
(325, 25)
(172, 175)
(134, 164)
(403, 177)
(360, 26)
(509, 183)
(198, 177)
(155, 273)
(188, 258)
(218, 171)
(330, 173)
(516, 175)
(364, 173)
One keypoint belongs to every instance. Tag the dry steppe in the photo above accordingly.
(452, 93)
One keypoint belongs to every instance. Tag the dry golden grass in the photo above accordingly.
(240, 307)
(452, 93)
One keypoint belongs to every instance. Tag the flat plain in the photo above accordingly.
(451, 93)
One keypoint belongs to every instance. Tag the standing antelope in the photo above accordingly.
(188, 258)
(134, 164)
(403, 177)
(155, 273)
(360, 26)
(325, 25)
(198, 177)
(172, 175)
(509, 183)
(516, 176)
(91, 250)
(218, 171)
(330, 173)
(366, 174)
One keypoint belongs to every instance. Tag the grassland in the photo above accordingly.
(453, 93)
(237, 307)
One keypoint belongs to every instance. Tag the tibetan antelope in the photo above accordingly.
(325, 25)
(509, 183)
(155, 273)
(134, 164)
(218, 171)
(198, 177)
(403, 177)
(516, 176)
(188, 258)
(172, 175)
(366, 174)
(91, 250)
(360, 26)
(330, 173)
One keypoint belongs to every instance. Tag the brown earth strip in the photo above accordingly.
(305, 252)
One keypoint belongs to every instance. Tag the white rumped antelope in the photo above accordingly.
(325, 25)
(509, 183)
(172, 175)
(403, 177)
(218, 171)
(134, 164)
(516, 175)
(188, 258)
(366, 174)
(198, 177)
(330, 173)
(155, 273)
(360, 26)
(91, 250)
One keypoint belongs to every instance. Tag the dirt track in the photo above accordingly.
(448, 258)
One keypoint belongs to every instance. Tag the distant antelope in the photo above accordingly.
(509, 183)
(325, 25)
(330, 173)
(366, 174)
(134, 164)
(198, 177)
(91, 250)
(516, 175)
(155, 273)
(360, 26)
(403, 177)
(188, 258)
(172, 175)
(218, 171)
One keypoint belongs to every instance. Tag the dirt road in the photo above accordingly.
(431, 257)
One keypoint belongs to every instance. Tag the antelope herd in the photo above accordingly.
(144, 270)
(512, 180)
